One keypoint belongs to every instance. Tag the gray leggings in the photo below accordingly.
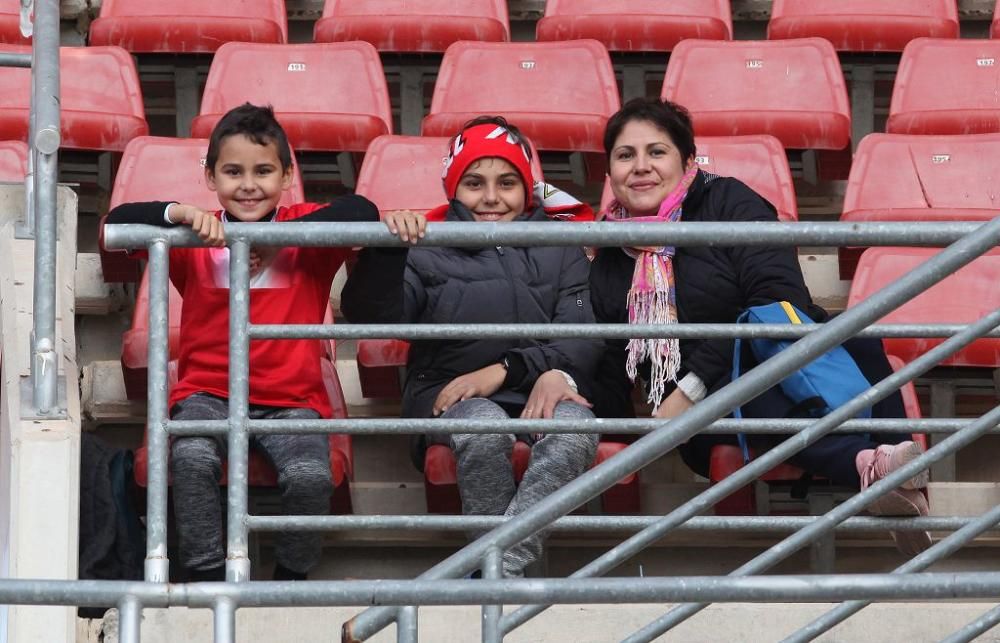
(486, 477)
(303, 466)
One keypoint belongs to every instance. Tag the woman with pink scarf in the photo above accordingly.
(651, 158)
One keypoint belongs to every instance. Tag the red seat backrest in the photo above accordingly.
(636, 25)
(864, 25)
(99, 96)
(10, 23)
(413, 26)
(791, 89)
(188, 26)
(404, 172)
(758, 161)
(560, 94)
(946, 87)
(960, 298)
(327, 96)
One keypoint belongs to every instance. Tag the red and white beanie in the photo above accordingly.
(485, 141)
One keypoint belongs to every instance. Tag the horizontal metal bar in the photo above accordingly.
(546, 233)
(624, 524)
(669, 589)
(585, 331)
(8, 59)
(635, 426)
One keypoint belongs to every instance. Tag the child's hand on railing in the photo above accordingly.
(205, 224)
(405, 224)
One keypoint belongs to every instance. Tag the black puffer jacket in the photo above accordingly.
(478, 285)
(714, 285)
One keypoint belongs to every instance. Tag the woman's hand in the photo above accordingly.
(549, 390)
(205, 224)
(675, 404)
(482, 383)
(406, 224)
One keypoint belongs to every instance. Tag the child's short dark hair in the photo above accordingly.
(256, 123)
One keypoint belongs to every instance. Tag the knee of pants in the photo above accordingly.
(580, 447)
(196, 457)
(306, 478)
(465, 443)
(572, 411)
(475, 408)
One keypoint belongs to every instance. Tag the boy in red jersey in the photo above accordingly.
(248, 165)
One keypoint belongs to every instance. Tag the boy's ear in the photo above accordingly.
(286, 178)
(210, 178)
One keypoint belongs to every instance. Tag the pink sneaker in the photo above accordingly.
(906, 500)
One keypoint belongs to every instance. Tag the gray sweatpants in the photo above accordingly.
(302, 463)
(486, 476)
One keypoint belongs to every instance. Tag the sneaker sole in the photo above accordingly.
(896, 503)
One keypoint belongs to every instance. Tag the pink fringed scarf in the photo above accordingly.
(652, 298)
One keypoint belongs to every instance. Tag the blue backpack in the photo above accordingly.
(826, 383)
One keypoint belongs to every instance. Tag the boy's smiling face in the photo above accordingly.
(248, 178)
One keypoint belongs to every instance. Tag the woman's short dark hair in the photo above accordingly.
(669, 117)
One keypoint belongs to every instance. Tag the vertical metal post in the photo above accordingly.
(45, 142)
(492, 570)
(224, 620)
(129, 619)
(238, 556)
(406, 624)
(157, 563)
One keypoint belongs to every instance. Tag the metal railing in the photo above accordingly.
(398, 599)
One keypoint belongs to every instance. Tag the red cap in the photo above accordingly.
(485, 141)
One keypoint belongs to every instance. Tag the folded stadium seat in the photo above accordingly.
(329, 97)
(160, 169)
(261, 473)
(862, 25)
(759, 161)
(995, 27)
(636, 25)
(10, 23)
(157, 168)
(441, 479)
(560, 94)
(412, 26)
(963, 297)
(400, 173)
(946, 87)
(907, 177)
(187, 26)
(727, 459)
(104, 120)
(791, 89)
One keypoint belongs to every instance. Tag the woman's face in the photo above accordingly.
(644, 167)
(492, 190)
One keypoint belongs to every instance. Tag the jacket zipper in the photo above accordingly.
(510, 278)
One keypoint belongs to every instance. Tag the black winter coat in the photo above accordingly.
(492, 285)
(714, 285)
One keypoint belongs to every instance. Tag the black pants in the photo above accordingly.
(830, 457)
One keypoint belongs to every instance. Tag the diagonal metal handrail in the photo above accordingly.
(767, 460)
(708, 410)
(973, 630)
(825, 523)
(939, 551)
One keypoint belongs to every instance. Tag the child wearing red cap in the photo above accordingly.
(487, 178)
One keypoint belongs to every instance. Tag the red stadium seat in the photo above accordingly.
(863, 25)
(946, 87)
(636, 25)
(262, 474)
(962, 297)
(400, 173)
(758, 161)
(791, 89)
(905, 177)
(13, 161)
(10, 23)
(995, 27)
(328, 97)
(559, 93)
(166, 169)
(187, 26)
(725, 460)
(101, 119)
(413, 26)
(441, 479)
